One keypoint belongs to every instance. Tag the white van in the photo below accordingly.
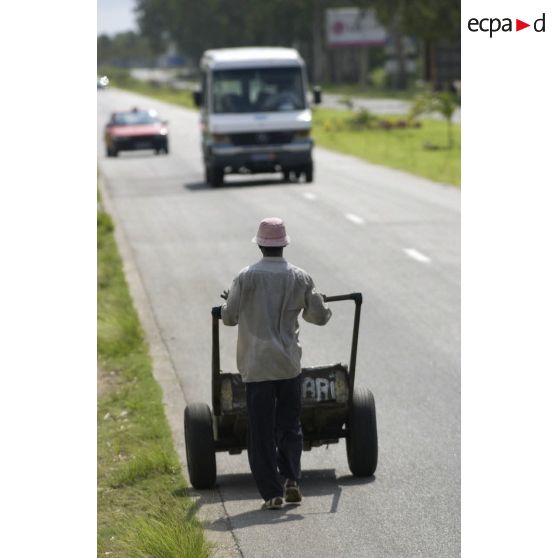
(255, 114)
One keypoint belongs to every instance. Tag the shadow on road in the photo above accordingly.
(314, 483)
(258, 517)
(136, 154)
(196, 186)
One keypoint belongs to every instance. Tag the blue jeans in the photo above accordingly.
(274, 433)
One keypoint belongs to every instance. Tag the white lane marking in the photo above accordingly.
(309, 195)
(354, 218)
(416, 255)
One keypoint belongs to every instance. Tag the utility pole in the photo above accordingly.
(317, 43)
(363, 70)
(401, 81)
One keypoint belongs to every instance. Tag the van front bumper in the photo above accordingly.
(260, 158)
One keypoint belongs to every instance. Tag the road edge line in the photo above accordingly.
(211, 507)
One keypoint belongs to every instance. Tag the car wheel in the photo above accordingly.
(164, 149)
(200, 447)
(362, 434)
(111, 152)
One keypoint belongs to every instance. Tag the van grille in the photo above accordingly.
(262, 138)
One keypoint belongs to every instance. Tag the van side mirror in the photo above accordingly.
(197, 98)
(317, 94)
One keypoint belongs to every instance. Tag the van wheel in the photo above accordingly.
(214, 176)
(309, 173)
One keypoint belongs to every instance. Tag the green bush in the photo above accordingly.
(362, 120)
(378, 77)
(444, 103)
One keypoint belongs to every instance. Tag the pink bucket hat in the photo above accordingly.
(271, 232)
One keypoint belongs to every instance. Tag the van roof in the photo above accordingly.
(243, 57)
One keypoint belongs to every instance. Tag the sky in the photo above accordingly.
(114, 16)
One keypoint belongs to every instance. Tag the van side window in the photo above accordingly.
(204, 89)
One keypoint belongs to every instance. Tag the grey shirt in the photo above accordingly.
(265, 301)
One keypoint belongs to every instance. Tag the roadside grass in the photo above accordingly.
(368, 91)
(163, 535)
(422, 151)
(142, 505)
(122, 79)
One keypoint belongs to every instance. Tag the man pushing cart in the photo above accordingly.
(273, 407)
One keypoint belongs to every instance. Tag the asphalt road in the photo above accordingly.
(358, 227)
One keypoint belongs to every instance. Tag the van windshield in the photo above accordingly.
(258, 90)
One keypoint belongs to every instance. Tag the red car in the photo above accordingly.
(136, 129)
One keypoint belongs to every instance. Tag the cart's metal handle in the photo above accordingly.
(357, 297)
(215, 362)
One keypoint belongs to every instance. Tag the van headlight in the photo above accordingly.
(302, 134)
(220, 138)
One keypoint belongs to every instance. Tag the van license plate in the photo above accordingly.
(263, 157)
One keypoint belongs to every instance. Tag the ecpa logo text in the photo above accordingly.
(495, 24)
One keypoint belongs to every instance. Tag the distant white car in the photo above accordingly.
(102, 82)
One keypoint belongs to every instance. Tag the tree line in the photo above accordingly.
(124, 49)
(196, 25)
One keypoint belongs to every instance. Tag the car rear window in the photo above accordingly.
(134, 118)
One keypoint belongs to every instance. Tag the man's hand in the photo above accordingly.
(225, 294)
(216, 312)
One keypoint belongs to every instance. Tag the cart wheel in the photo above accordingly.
(200, 449)
(362, 435)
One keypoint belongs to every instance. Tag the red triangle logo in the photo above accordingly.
(519, 25)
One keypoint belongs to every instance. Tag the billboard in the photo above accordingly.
(353, 27)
